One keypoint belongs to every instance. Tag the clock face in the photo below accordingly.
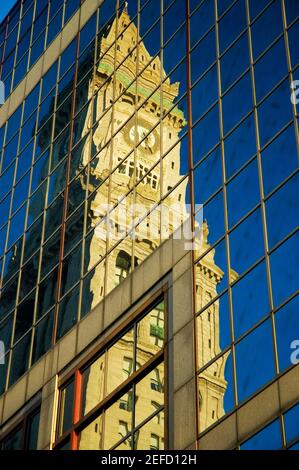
(148, 142)
(135, 134)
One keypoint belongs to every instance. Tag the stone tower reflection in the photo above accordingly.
(152, 101)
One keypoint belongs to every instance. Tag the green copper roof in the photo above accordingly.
(106, 68)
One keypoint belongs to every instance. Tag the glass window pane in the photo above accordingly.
(291, 420)
(24, 317)
(234, 62)
(237, 102)
(270, 69)
(206, 134)
(68, 312)
(150, 335)
(148, 391)
(267, 439)
(204, 94)
(284, 269)
(32, 432)
(246, 243)
(91, 437)
(231, 25)
(118, 420)
(201, 20)
(203, 55)
(19, 359)
(215, 391)
(151, 435)
(293, 34)
(66, 407)
(239, 146)
(43, 337)
(282, 211)
(287, 325)
(93, 385)
(14, 441)
(250, 300)
(256, 6)
(271, 22)
(213, 328)
(243, 193)
(120, 361)
(275, 168)
(274, 112)
(255, 361)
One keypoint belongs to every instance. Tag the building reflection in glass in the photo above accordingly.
(125, 142)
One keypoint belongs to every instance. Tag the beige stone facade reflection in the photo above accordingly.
(136, 129)
(212, 384)
(136, 148)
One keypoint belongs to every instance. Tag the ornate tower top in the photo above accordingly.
(130, 59)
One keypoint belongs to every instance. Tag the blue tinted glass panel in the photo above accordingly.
(255, 361)
(231, 25)
(250, 300)
(267, 439)
(282, 210)
(276, 169)
(284, 269)
(237, 102)
(239, 146)
(243, 193)
(271, 22)
(291, 420)
(287, 324)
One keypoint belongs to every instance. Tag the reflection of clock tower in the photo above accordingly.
(140, 129)
(116, 71)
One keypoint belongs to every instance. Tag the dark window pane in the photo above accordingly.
(32, 432)
(24, 318)
(66, 407)
(14, 441)
(20, 357)
(68, 312)
(43, 337)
